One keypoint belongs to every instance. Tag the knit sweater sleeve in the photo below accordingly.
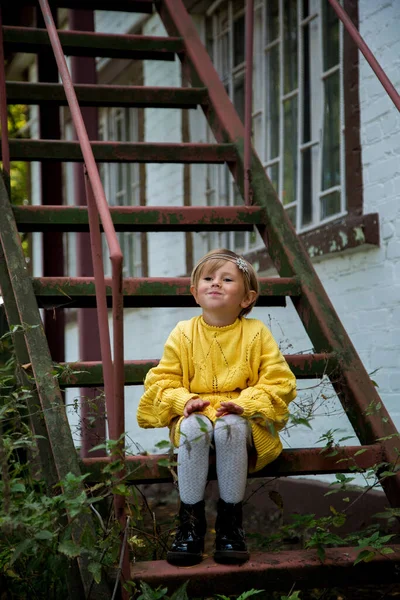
(165, 395)
(267, 401)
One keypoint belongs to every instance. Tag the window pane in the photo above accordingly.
(290, 45)
(330, 35)
(239, 236)
(238, 97)
(331, 141)
(238, 41)
(224, 56)
(306, 8)
(273, 100)
(306, 85)
(291, 212)
(307, 191)
(289, 191)
(272, 20)
(330, 205)
(258, 135)
(273, 174)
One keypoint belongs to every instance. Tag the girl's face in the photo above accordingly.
(222, 293)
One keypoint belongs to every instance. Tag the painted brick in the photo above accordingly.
(393, 249)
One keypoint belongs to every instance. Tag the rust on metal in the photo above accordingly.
(301, 461)
(90, 373)
(141, 152)
(138, 6)
(74, 43)
(106, 95)
(141, 218)
(147, 291)
(285, 571)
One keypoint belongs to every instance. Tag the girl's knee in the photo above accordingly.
(195, 425)
(231, 427)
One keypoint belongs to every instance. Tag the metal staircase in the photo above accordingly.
(335, 354)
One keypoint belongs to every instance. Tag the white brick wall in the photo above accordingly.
(364, 286)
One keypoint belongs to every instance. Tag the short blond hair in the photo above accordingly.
(215, 259)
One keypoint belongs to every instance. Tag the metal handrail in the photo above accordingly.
(98, 206)
(363, 47)
(5, 149)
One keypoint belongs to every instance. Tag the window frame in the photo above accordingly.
(349, 228)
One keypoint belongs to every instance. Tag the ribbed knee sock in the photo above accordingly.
(193, 454)
(231, 436)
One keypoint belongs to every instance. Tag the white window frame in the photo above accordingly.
(317, 78)
(129, 193)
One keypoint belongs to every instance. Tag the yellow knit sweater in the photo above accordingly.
(240, 362)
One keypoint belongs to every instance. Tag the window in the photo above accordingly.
(298, 120)
(122, 184)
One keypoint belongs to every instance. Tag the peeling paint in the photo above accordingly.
(333, 247)
(359, 235)
(313, 251)
(345, 240)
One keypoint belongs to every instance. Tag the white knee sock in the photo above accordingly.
(231, 435)
(193, 452)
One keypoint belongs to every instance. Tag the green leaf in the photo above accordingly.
(95, 569)
(321, 553)
(364, 556)
(180, 593)
(163, 444)
(149, 594)
(387, 550)
(21, 549)
(249, 593)
(44, 535)
(69, 548)
(360, 451)
(166, 462)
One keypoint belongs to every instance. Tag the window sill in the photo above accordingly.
(347, 233)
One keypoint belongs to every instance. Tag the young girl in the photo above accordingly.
(221, 380)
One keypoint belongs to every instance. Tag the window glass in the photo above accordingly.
(272, 20)
(289, 191)
(290, 45)
(273, 101)
(330, 204)
(238, 41)
(330, 36)
(331, 141)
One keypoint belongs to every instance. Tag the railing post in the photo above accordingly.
(5, 149)
(248, 101)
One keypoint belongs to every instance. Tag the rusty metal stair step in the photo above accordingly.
(77, 43)
(141, 218)
(149, 468)
(286, 570)
(138, 6)
(142, 152)
(107, 95)
(90, 374)
(79, 292)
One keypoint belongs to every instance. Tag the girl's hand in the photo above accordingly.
(229, 408)
(194, 405)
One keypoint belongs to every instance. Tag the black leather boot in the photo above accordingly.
(230, 543)
(188, 545)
